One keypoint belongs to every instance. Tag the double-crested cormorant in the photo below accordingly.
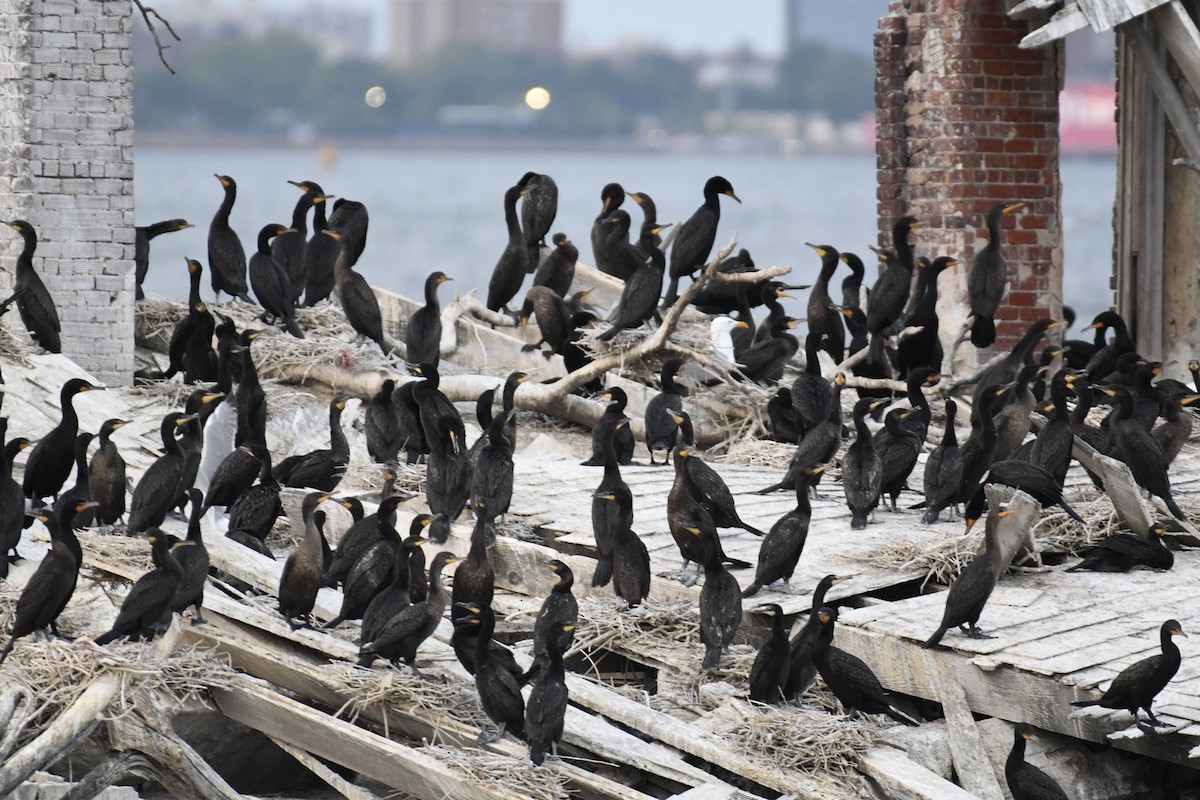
(924, 349)
(630, 558)
(38, 312)
(661, 429)
(448, 466)
(612, 195)
(538, 210)
(770, 294)
(492, 474)
(695, 238)
(1140, 451)
(707, 485)
(649, 213)
(301, 576)
(320, 254)
(156, 492)
(556, 620)
(856, 324)
(1176, 427)
(852, 284)
(988, 279)
(1136, 686)
(411, 433)
(691, 525)
(256, 509)
(784, 422)
(81, 491)
(474, 578)
(610, 515)
(889, 295)
(270, 281)
(606, 427)
(381, 425)
(801, 669)
(146, 610)
(251, 399)
(898, 448)
(812, 393)
(49, 464)
(499, 689)
(397, 595)
(423, 337)
(403, 633)
(823, 317)
(226, 256)
(1012, 419)
(576, 357)
(364, 533)
(190, 348)
(510, 269)
(320, 469)
(850, 679)
(356, 297)
(1122, 552)
(862, 468)
(557, 270)
(142, 235)
(192, 556)
(781, 547)
(765, 360)
(943, 471)
(547, 706)
(553, 319)
(351, 217)
(769, 672)
(639, 298)
(1035, 481)
(12, 501)
(720, 607)
(1104, 361)
(371, 570)
(1025, 781)
(290, 244)
(979, 451)
(970, 591)
(1052, 447)
(819, 445)
(624, 257)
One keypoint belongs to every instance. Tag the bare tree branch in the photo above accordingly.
(147, 13)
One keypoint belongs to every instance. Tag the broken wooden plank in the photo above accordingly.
(904, 779)
(1173, 106)
(336, 782)
(1179, 32)
(971, 762)
(1068, 19)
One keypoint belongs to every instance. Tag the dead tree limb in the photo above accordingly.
(113, 768)
(147, 13)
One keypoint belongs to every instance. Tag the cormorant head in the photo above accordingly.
(718, 185)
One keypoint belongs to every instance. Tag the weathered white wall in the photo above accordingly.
(66, 150)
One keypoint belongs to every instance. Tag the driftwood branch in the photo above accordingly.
(857, 358)
(147, 13)
(16, 707)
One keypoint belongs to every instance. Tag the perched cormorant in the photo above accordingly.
(499, 690)
(639, 298)
(784, 422)
(271, 283)
(156, 492)
(251, 399)
(320, 254)
(371, 570)
(557, 270)
(823, 317)
(819, 445)
(801, 669)
(576, 357)
(411, 433)
(1052, 447)
(146, 610)
(691, 525)
(695, 238)
(979, 451)
(649, 213)
(852, 284)
(81, 491)
(1012, 419)
(538, 210)
(812, 393)
(357, 299)
(971, 589)
(256, 509)
(556, 620)
(630, 558)
(1104, 361)
(301, 576)
(782, 546)
(49, 464)
(547, 706)
(190, 347)
(12, 501)
(862, 468)
(38, 312)
(1028, 477)
(889, 295)
(943, 471)
(720, 607)
(1140, 451)
(1176, 427)
(612, 195)
(351, 217)
(769, 672)
(1025, 781)
(661, 430)
(1136, 686)
(898, 448)
(226, 256)
(1122, 552)
(553, 319)
(609, 518)
(423, 337)
(988, 279)
(510, 269)
(765, 360)
(142, 235)
(192, 556)
(850, 679)
(397, 595)
(381, 425)
(770, 294)
(320, 469)
(924, 349)
(624, 257)
(603, 430)
(290, 244)
(404, 633)
(707, 485)
(492, 474)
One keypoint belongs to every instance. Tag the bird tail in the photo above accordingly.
(333, 623)
(902, 718)
(1070, 511)
(737, 563)
(712, 657)
(933, 640)
(775, 487)
(610, 334)
(752, 589)
(1083, 703)
(930, 516)
(105, 638)
(293, 327)
(537, 754)
(535, 669)
(748, 528)
(366, 659)
(245, 297)
(672, 292)
(604, 571)
(875, 354)
(1172, 506)
(983, 331)
(858, 520)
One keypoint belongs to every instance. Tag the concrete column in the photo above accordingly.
(66, 146)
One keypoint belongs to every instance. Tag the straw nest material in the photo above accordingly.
(15, 346)
(756, 452)
(504, 773)
(802, 739)
(381, 689)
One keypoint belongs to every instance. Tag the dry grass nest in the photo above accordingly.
(505, 774)
(802, 739)
(385, 688)
(756, 452)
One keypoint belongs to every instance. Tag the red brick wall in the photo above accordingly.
(966, 119)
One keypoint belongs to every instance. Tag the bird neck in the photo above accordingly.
(1016, 758)
(337, 437)
(300, 214)
(950, 437)
(431, 298)
(511, 220)
(227, 204)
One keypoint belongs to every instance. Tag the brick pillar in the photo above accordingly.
(66, 145)
(966, 119)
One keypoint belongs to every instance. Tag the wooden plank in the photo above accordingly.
(971, 761)
(1151, 63)
(1068, 19)
(336, 782)
(1104, 15)
(904, 779)
(1179, 32)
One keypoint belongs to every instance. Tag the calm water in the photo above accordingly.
(442, 210)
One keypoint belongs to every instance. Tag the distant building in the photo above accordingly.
(420, 28)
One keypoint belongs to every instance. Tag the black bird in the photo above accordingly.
(720, 607)
(290, 245)
(81, 491)
(856, 324)
(691, 525)
(492, 474)
(889, 295)
(1052, 447)
(142, 235)
(661, 429)
(1025, 781)
(146, 610)
(356, 297)
(156, 491)
(382, 426)
(363, 534)
(1013, 418)
(553, 319)
(547, 707)
(919, 378)
(848, 676)
(612, 509)
(301, 576)
(576, 357)
(510, 269)
(466, 643)
(1122, 552)
(979, 450)
(1137, 685)
(423, 336)
(784, 422)
(320, 469)
(256, 509)
(556, 620)
(801, 669)
(499, 690)
(320, 254)
(557, 270)
(695, 238)
(190, 348)
(1029, 478)
(1104, 361)
(226, 256)
(624, 257)
(823, 317)
(924, 349)
(474, 577)
(192, 556)
(649, 212)
(812, 393)
(12, 501)
(862, 469)
(1140, 451)
(271, 283)
(1176, 427)
(898, 448)
(707, 485)
(770, 294)
(538, 210)
(819, 445)
(784, 543)
(764, 362)
(371, 570)
(49, 464)
(351, 216)
(604, 429)
(970, 591)
(639, 298)
(404, 633)
(988, 279)
(630, 558)
(418, 580)
(397, 595)
(1007, 368)
(410, 432)
(38, 312)
(612, 195)
(769, 672)
(943, 471)
(852, 288)
(251, 399)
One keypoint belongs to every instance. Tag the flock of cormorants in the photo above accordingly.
(215, 456)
